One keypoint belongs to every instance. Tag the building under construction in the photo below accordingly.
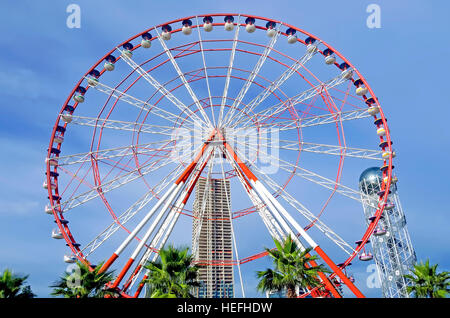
(212, 238)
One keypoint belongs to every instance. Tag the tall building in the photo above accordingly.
(392, 249)
(212, 238)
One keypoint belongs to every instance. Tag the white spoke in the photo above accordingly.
(153, 82)
(183, 78)
(330, 118)
(325, 149)
(272, 210)
(250, 79)
(269, 221)
(347, 248)
(131, 212)
(341, 151)
(326, 183)
(297, 99)
(124, 125)
(115, 183)
(161, 217)
(318, 179)
(274, 85)
(104, 154)
(166, 228)
(315, 120)
(153, 109)
(229, 70)
(163, 205)
(200, 43)
(168, 225)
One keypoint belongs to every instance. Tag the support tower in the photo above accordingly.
(393, 252)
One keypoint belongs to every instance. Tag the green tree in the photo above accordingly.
(12, 286)
(83, 282)
(291, 269)
(427, 282)
(172, 275)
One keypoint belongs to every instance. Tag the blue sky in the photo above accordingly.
(405, 62)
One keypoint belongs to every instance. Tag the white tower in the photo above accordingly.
(393, 252)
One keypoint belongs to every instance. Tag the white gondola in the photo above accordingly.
(330, 59)
(56, 234)
(79, 98)
(58, 139)
(347, 74)
(311, 48)
(292, 38)
(52, 161)
(166, 35)
(271, 32)
(394, 179)
(229, 26)
(385, 154)
(109, 66)
(52, 185)
(186, 29)
(250, 27)
(361, 90)
(66, 117)
(48, 209)
(373, 110)
(146, 44)
(381, 131)
(127, 53)
(92, 81)
(70, 259)
(380, 232)
(208, 26)
(366, 257)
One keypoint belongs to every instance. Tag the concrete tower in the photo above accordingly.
(212, 238)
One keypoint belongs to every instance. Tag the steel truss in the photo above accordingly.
(393, 251)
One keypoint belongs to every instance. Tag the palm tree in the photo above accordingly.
(84, 283)
(11, 286)
(291, 269)
(172, 275)
(427, 282)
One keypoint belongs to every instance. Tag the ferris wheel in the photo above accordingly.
(252, 101)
